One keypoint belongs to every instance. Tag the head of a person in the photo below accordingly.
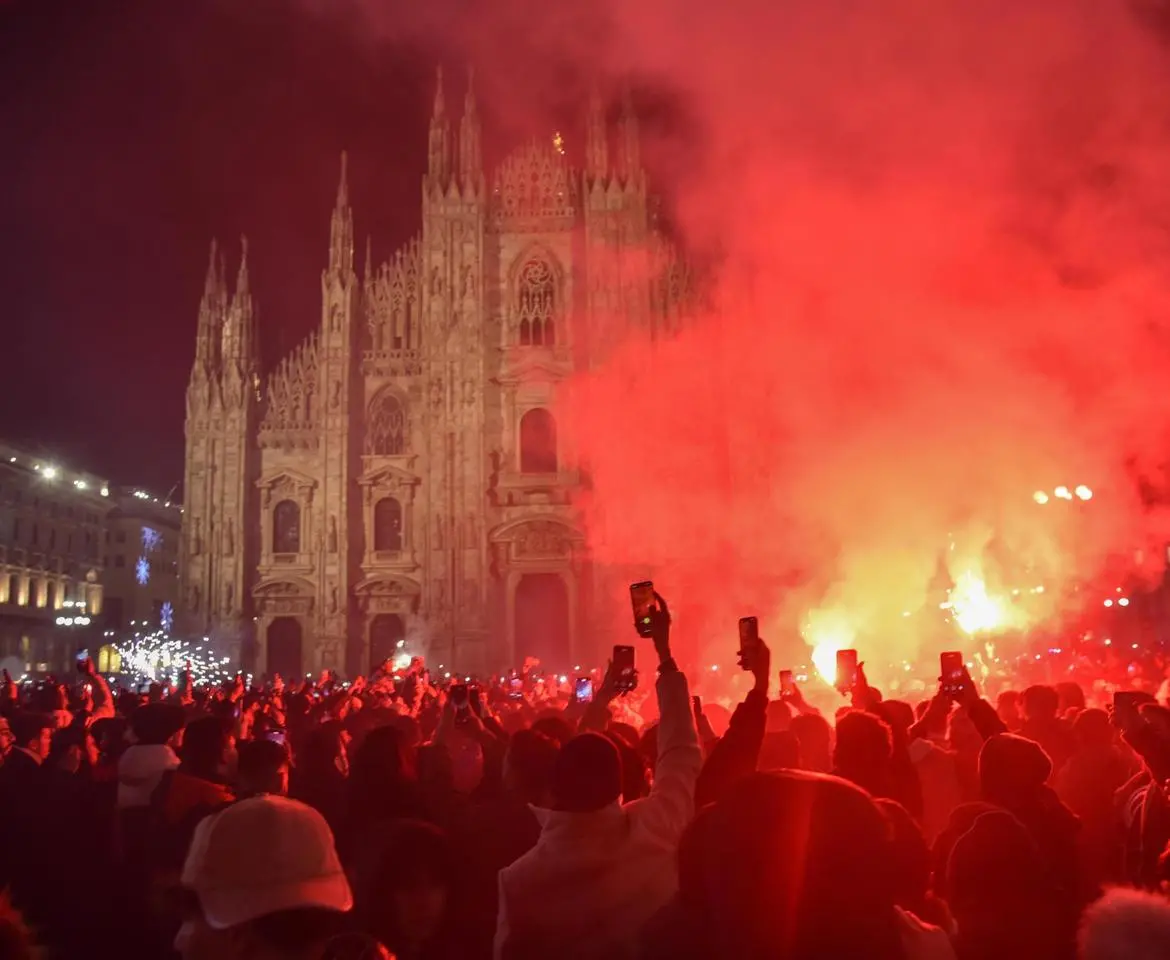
(587, 774)
(1126, 925)
(1012, 769)
(552, 724)
(778, 716)
(864, 742)
(156, 723)
(1092, 730)
(6, 736)
(528, 767)
(207, 748)
(1040, 703)
(1070, 697)
(262, 881)
(1007, 705)
(402, 883)
(762, 871)
(999, 889)
(780, 750)
(816, 741)
(909, 863)
(262, 767)
(898, 714)
(32, 732)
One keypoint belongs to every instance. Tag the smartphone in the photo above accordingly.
(82, 660)
(787, 684)
(642, 599)
(584, 690)
(1125, 708)
(277, 736)
(952, 673)
(459, 696)
(623, 669)
(846, 670)
(749, 642)
(473, 699)
(515, 689)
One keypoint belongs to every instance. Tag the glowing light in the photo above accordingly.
(142, 571)
(105, 491)
(974, 609)
(828, 631)
(558, 143)
(1084, 492)
(152, 656)
(1040, 496)
(151, 539)
(49, 473)
(1062, 493)
(166, 616)
(80, 484)
(1108, 603)
(401, 661)
(1123, 602)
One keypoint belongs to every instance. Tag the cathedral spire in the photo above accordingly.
(341, 227)
(211, 313)
(439, 143)
(369, 271)
(631, 142)
(596, 138)
(239, 324)
(470, 164)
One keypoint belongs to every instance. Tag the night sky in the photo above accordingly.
(133, 132)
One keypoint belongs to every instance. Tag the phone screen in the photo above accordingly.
(846, 670)
(1125, 708)
(642, 599)
(584, 690)
(749, 641)
(623, 668)
(516, 689)
(459, 696)
(787, 684)
(277, 736)
(951, 672)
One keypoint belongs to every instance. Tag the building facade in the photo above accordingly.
(52, 524)
(141, 560)
(401, 475)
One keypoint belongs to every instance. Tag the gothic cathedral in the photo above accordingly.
(400, 482)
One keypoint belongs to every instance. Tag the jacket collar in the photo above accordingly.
(561, 821)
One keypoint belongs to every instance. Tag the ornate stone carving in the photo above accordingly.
(533, 187)
(333, 598)
(289, 415)
(386, 426)
(229, 540)
(193, 597)
(542, 539)
(332, 534)
(196, 542)
(229, 592)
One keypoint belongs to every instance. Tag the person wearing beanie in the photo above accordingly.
(601, 869)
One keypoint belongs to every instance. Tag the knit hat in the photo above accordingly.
(1011, 766)
(261, 856)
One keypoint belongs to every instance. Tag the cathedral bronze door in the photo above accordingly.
(386, 630)
(542, 620)
(284, 648)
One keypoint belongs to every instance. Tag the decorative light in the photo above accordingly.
(1040, 497)
(142, 571)
(1062, 493)
(558, 143)
(80, 484)
(49, 473)
(1108, 603)
(166, 616)
(1084, 492)
(105, 491)
(1123, 602)
(151, 539)
(145, 657)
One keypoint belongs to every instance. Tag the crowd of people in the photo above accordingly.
(400, 816)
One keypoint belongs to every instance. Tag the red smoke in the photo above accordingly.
(942, 287)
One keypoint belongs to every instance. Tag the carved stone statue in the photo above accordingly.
(333, 534)
(333, 598)
(196, 543)
(438, 531)
(194, 600)
(229, 540)
(228, 598)
(335, 397)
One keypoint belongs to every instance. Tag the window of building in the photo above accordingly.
(119, 560)
(538, 442)
(286, 527)
(387, 524)
(386, 426)
(536, 304)
(120, 536)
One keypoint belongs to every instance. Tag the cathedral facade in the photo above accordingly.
(399, 482)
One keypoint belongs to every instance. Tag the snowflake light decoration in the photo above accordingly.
(166, 616)
(142, 571)
(151, 539)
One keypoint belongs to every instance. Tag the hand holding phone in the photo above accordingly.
(952, 674)
(787, 685)
(642, 600)
(846, 678)
(583, 690)
(625, 675)
(749, 642)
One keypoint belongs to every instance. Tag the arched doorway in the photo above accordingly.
(385, 632)
(542, 620)
(284, 648)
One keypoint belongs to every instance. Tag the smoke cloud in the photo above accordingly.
(941, 286)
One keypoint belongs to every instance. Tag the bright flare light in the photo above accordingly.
(1084, 492)
(1040, 497)
(974, 610)
(1063, 493)
(827, 632)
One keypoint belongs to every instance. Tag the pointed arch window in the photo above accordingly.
(388, 525)
(386, 426)
(286, 527)
(536, 302)
(538, 442)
